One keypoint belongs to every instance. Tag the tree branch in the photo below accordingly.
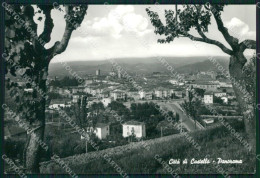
(48, 23)
(200, 32)
(247, 44)
(233, 42)
(210, 41)
(176, 9)
(60, 46)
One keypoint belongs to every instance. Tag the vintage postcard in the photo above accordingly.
(159, 88)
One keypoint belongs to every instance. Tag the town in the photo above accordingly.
(129, 89)
(126, 110)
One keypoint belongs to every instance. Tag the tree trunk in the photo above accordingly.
(32, 150)
(86, 146)
(37, 123)
(244, 97)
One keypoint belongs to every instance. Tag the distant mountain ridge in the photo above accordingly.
(137, 65)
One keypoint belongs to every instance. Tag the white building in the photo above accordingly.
(220, 94)
(208, 98)
(205, 85)
(158, 93)
(208, 121)
(88, 81)
(106, 101)
(225, 99)
(118, 95)
(165, 93)
(225, 84)
(149, 95)
(75, 98)
(174, 82)
(134, 127)
(29, 90)
(142, 94)
(57, 106)
(101, 130)
(98, 72)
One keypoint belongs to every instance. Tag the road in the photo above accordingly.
(170, 105)
(186, 121)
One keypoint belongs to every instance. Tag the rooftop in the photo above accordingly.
(101, 125)
(208, 93)
(132, 122)
(59, 101)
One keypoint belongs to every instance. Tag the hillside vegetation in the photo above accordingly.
(135, 158)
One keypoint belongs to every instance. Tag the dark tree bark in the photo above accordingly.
(244, 97)
(35, 58)
(33, 147)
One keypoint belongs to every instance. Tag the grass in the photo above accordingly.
(217, 143)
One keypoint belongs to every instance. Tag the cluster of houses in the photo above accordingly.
(106, 91)
(209, 97)
(130, 128)
(220, 89)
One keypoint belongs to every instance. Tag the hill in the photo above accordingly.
(137, 158)
(132, 65)
(204, 66)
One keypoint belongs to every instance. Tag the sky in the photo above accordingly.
(118, 31)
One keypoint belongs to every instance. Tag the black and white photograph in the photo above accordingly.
(123, 89)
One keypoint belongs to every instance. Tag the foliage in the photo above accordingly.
(180, 22)
(65, 82)
(96, 108)
(203, 110)
(250, 71)
(119, 107)
(215, 143)
(217, 100)
(53, 95)
(200, 92)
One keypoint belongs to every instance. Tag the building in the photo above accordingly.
(112, 73)
(106, 101)
(225, 84)
(118, 95)
(134, 128)
(165, 93)
(208, 98)
(159, 92)
(59, 103)
(146, 95)
(67, 93)
(142, 94)
(98, 72)
(220, 94)
(101, 130)
(28, 90)
(174, 82)
(119, 74)
(105, 93)
(204, 85)
(177, 92)
(207, 122)
(225, 99)
(75, 97)
(88, 81)
(77, 89)
(149, 95)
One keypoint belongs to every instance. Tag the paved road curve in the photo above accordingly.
(186, 121)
